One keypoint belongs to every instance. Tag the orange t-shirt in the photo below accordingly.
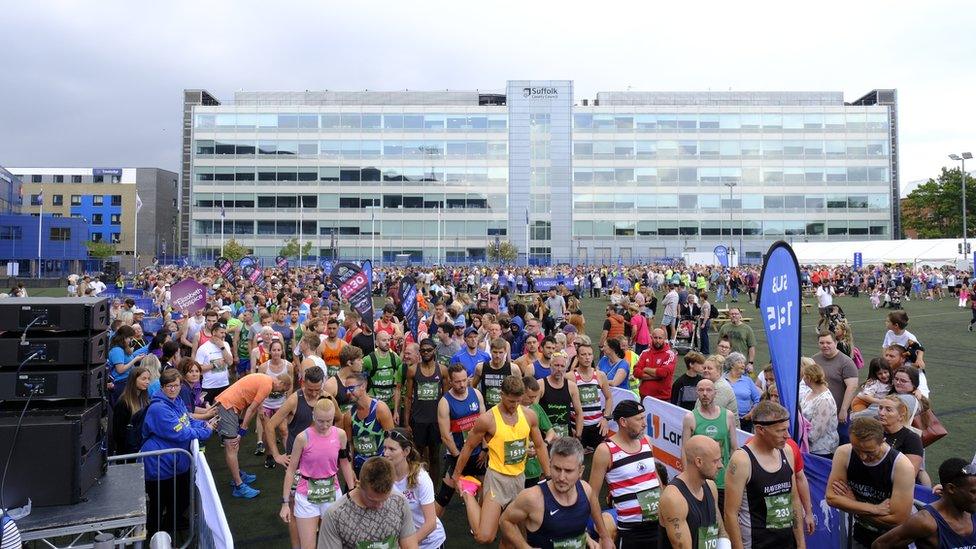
(331, 354)
(248, 389)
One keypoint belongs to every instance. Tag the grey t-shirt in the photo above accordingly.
(445, 352)
(348, 526)
(557, 307)
(837, 369)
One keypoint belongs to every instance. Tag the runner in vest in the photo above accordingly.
(318, 454)
(508, 428)
(761, 502)
(715, 423)
(561, 399)
(295, 413)
(261, 352)
(274, 367)
(488, 376)
(872, 481)
(388, 324)
(243, 344)
(425, 387)
(949, 522)
(530, 352)
(351, 362)
(307, 348)
(374, 503)
(367, 424)
(613, 326)
(590, 382)
(540, 368)
(384, 369)
(626, 462)
(457, 413)
(554, 514)
(530, 400)
(206, 332)
(689, 508)
(331, 347)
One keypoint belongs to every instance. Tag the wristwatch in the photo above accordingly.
(284, 501)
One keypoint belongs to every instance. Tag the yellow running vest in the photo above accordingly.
(507, 448)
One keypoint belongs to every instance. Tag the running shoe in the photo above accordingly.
(269, 462)
(248, 478)
(245, 491)
(469, 485)
(259, 450)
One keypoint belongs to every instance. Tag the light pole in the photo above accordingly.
(963, 158)
(731, 185)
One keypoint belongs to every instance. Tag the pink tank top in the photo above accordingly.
(320, 457)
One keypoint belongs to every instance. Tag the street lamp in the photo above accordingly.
(731, 185)
(965, 156)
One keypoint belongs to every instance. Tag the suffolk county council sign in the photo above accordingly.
(540, 93)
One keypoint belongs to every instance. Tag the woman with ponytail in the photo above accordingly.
(318, 454)
(411, 479)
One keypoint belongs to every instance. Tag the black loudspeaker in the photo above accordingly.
(59, 453)
(54, 313)
(63, 349)
(52, 382)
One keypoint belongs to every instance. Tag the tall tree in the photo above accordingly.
(934, 208)
(100, 250)
(291, 248)
(505, 252)
(234, 250)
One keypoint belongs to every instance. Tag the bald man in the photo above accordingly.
(715, 422)
(689, 505)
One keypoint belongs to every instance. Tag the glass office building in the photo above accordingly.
(440, 176)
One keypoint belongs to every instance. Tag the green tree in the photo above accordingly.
(234, 251)
(504, 252)
(100, 250)
(290, 249)
(934, 209)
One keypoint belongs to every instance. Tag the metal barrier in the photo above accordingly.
(176, 525)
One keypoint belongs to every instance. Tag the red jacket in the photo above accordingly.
(663, 360)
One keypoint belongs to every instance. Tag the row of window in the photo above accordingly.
(773, 122)
(114, 238)
(381, 228)
(746, 202)
(352, 122)
(766, 148)
(610, 229)
(351, 173)
(432, 201)
(36, 178)
(354, 148)
(14, 232)
(97, 199)
(717, 175)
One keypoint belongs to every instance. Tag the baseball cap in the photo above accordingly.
(470, 330)
(459, 322)
(627, 408)
(226, 309)
(138, 311)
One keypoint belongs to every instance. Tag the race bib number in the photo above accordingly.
(708, 537)
(383, 393)
(493, 396)
(365, 446)
(218, 366)
(561, 429)
(578, 542)
(649, 500)
(515, 451)
(779, 512)
(321, 491)
(388, 543)
(428, 390)
(589, 394)
(331, 371)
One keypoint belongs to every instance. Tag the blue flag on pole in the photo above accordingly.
(408, 303)
(722, 254)
(779, 307)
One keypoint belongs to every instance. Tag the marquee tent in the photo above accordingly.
(940, 251)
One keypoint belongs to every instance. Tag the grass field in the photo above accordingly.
(941, 327)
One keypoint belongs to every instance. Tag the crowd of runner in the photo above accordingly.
(500, 395)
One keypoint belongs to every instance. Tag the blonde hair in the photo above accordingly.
(901, 407)
(151, 363)
(814, 373)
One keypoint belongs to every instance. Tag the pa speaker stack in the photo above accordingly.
(53, 408)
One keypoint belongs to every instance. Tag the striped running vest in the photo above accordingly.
(367, 435)
(633, 483)
(589, 393)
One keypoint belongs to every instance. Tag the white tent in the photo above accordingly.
(939, 251)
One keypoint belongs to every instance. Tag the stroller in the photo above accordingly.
(686, 336)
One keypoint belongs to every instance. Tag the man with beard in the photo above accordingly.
(717, 424)
(555, 513)
(655, 367)
(540, 367)
(626, 462)
(724, 395)
(689, 507)
(561, 400)
(457, 412)
(947, 523)
(530, 352)
(488, 376)
(385, 372)
(426, 381)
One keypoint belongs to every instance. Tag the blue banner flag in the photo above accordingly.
(831, 524)
(408, 303)
(281, 262)
(355, 286)
(779, 307)
(858, 260)
(722, 254)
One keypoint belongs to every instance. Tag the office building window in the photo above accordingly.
(116, 219)
(116, 238)
(57, 200)
(76, 179)
(59, 179)
(35, 200)
(11, 232)
(96, 237)
(60, 234)
(35, 179)
(98, 179)
(76, 200)
(97, 219)
(98, 200)
(57, 214)
(116, 200)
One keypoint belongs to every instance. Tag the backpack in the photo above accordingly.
(712, 312)
(857, 358)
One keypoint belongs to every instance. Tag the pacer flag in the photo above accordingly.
(779, 307)
(408, 302)
(226, 268)
(354, 286)
(282, 263)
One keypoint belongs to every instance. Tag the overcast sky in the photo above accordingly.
(98, 83)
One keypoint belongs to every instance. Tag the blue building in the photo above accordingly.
(62, 244)
(10, 192)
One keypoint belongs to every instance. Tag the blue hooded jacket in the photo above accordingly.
(167, 425)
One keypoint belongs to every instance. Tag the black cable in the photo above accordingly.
(13, 445)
